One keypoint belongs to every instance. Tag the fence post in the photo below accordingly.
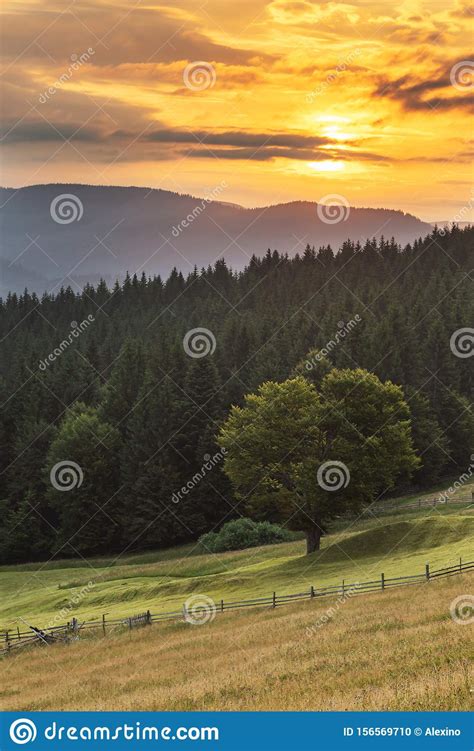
(103, 624)
(222, 606)
(7, 641)
(312, 592)
(343, 587)
(18, 632)
(274, 600)
(148, 617)
(427, 571)
(382, 580)
(460, 563)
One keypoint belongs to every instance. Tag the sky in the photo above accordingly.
(261, 101)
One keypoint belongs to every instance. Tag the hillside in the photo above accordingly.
(397, 544)
(140, 229)
(306, 655)
(268, 659)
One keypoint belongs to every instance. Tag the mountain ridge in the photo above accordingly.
(119, 228)
(148, 189)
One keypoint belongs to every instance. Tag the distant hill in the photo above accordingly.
(136, 229)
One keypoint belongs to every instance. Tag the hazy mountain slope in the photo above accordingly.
(139, 229)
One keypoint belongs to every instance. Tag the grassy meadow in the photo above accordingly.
(397, 544)
(396, 650)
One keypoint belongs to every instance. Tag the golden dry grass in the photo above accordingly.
(397, 650)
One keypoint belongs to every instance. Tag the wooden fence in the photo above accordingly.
(439, 500)
(16, 639)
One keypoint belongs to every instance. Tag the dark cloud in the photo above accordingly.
(265, 153)
(238, 138)
(262, 154)
(164, 144)
(461, 158)
(259, 146)
(415, 96)
(40, 130)
(31, 132)
(117, 36)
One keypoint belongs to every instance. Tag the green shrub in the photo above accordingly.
(243, 533)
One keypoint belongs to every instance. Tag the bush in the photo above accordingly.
(243, 533)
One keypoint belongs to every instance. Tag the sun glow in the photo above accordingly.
(336, 135)
(326, 166)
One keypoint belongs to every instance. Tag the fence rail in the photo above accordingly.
(16, 639)
(439, 500)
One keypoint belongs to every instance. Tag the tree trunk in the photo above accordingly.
(313, 537)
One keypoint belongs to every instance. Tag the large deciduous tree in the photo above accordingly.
(304, 456)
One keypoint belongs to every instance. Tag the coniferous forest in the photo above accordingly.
(123, 398)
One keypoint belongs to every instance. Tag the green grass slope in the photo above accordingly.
(399, 544)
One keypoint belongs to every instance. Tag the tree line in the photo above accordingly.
(137, 414)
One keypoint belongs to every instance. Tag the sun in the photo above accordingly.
(326, 165)
(334, 132)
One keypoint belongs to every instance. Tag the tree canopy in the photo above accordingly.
(304, 456)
